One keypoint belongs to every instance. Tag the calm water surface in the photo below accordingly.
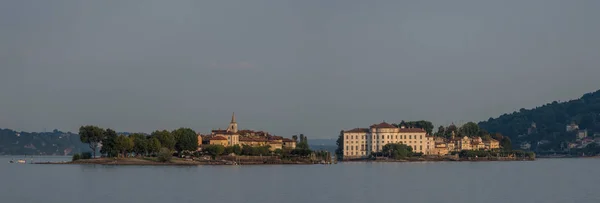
(544, 180)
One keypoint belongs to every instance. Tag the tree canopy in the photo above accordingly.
(109, 143)
(93, 136)
(186, 139)
(397, 151)
(166, 139)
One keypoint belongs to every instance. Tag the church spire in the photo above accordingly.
(233, 118)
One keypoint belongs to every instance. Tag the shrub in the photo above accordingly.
(76, 157)
(164, 155)
(86, 155)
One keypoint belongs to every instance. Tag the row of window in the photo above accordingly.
(350, 137)
(401, 142)
(363, 147)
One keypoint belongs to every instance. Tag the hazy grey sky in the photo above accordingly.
(310, 66)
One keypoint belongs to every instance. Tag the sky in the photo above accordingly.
(312, 66)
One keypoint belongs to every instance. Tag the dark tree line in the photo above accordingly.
(138, 144)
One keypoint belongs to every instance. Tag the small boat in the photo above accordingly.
(21, 161)
(11, 161)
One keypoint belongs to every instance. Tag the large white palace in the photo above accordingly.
(360, 142)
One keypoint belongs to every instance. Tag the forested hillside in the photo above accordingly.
(44, 143)
(547, 123)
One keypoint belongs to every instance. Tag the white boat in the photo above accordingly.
(21, 161)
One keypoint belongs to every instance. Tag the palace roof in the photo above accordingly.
(357, 130)
(218, 138)
(383, 125)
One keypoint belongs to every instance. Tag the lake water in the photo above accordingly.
(544, 180)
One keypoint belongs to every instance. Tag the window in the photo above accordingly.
(388, 136)
(347, 136)
(420, 136)
(346, 148)
(421, 147)
(410, 137)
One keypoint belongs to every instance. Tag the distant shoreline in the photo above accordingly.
(174, 162)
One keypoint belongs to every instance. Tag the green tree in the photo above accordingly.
(339, 151)
(166, 139)
(93, 136)
(109, 143)
(214, 150)
(237, 149)
(303, 144)
(441, 131)
(153, 145)
(506, 144)
(185, 139)
(469, 129)
(140, 144)
(486, 137)
(124, 145)
(295, 138)
(396, 151)
(451, 128)
(164, 155)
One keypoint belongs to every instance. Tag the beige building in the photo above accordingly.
(443, 146)
(491, 144)
(219, 140)
(360, 142)
(231, 134)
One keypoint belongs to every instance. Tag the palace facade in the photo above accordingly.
(361, 142)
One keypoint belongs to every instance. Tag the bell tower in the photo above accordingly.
(232, 125)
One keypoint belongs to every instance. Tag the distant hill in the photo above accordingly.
(42, 143)
(547, 124)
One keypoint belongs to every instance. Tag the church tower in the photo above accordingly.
(232, 125)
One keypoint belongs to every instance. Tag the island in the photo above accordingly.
(184, 146)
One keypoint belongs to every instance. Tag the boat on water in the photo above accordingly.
(21, 161)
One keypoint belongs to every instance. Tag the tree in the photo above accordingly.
(164, 155)
(140, 144)
(339, 151)
(237, 149)
(506, 144)
(166, 139)
(396, 151)
(451, 128)
(497, 136)
(303, 144)
(486, 137)
(124, 145)
(469, 129)
(441, 131)
(185, 139)
(153, 145)
(295, 138)
(214, 150)
(109, 143)
(93, 136)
